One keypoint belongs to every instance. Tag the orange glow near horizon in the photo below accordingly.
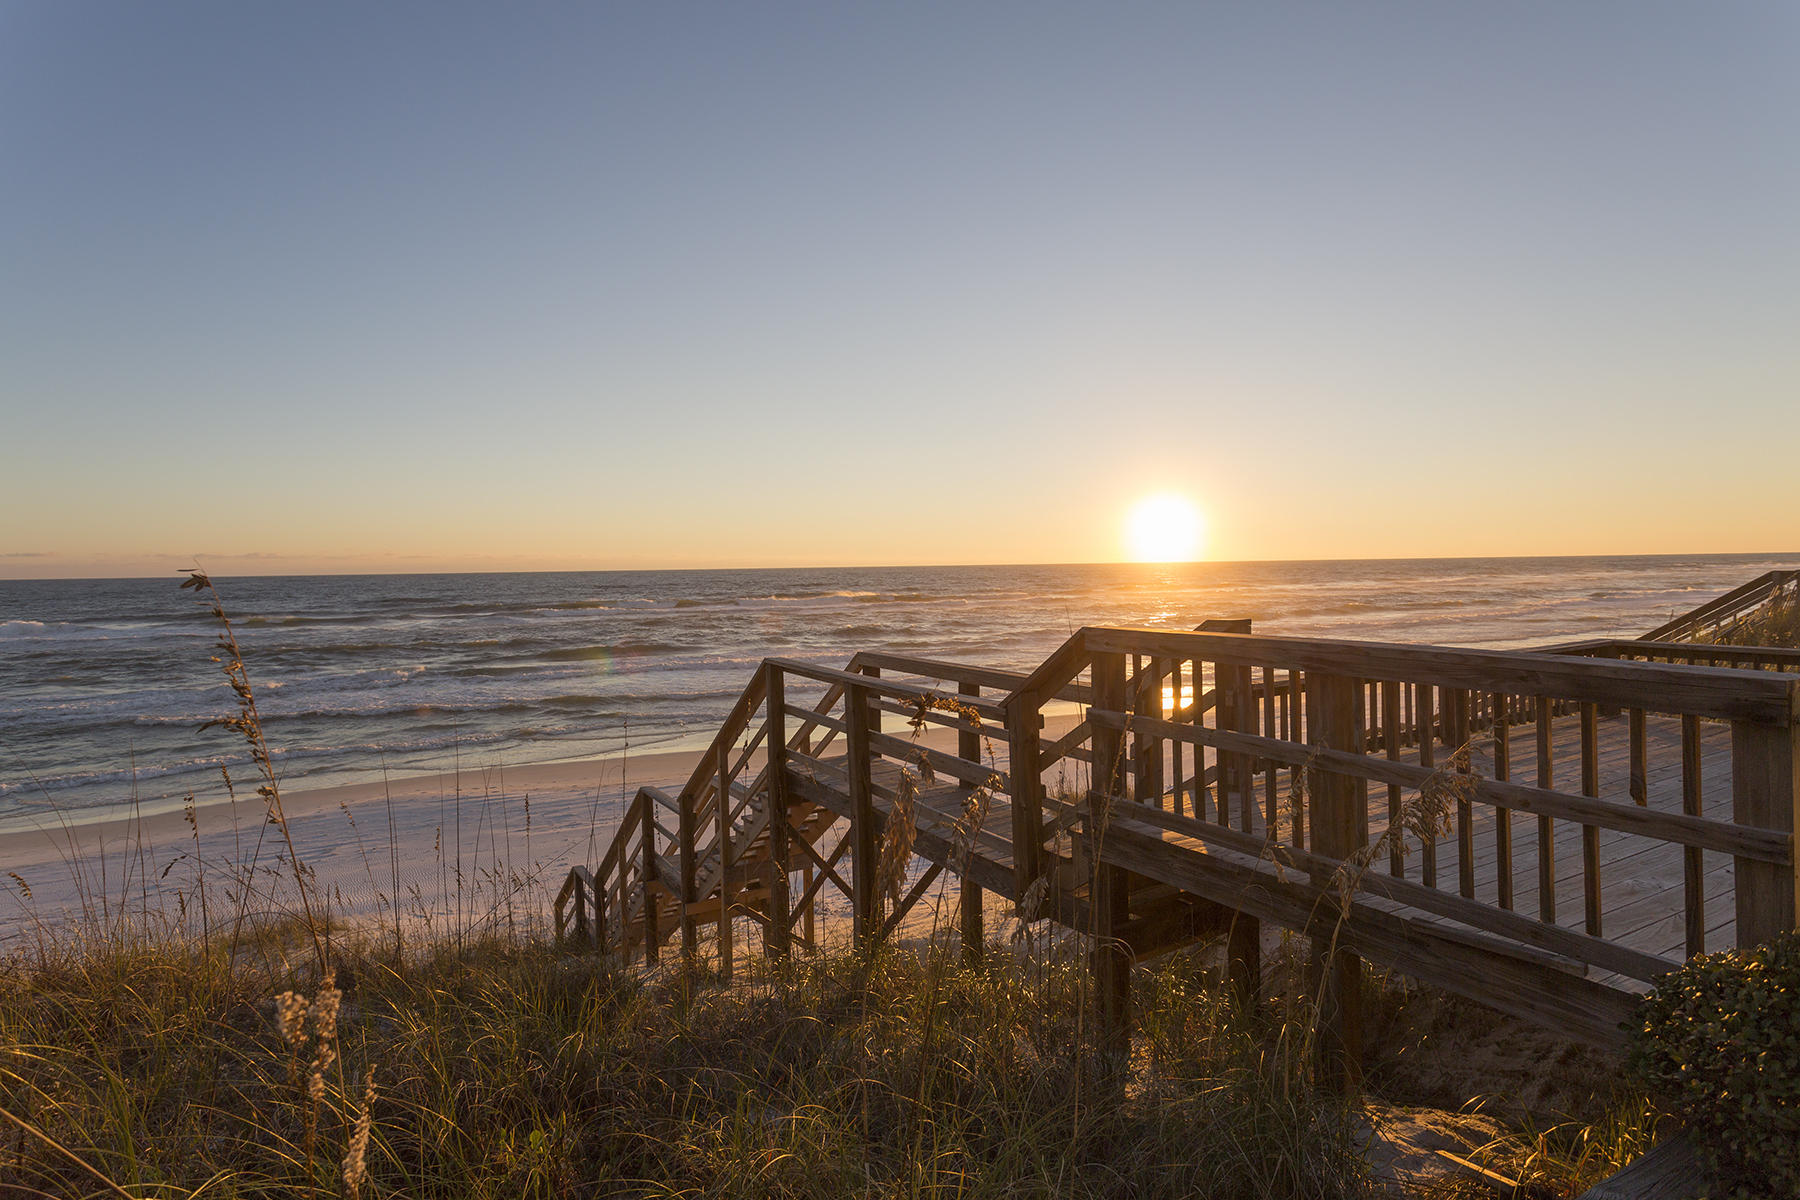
(1164, 528)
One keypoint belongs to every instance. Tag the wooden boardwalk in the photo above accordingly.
(1571, 825)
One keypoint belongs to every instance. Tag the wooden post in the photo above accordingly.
(776, 933)
(1109, 891)
(1243, 954)
(647, 869)
(1233, 685)
(1546, 847)
(1027, 790)
(1340, 815)
(600, 916)
(581, 913)
(690, 932)
(968, 748)
(864, 901)
(1765, 792)
(727, 895)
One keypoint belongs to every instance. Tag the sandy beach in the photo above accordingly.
(508, 833)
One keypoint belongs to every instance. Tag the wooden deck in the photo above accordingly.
(1598, 820)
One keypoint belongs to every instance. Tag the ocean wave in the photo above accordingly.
(607, 651)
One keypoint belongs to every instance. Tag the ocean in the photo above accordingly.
(104, 683)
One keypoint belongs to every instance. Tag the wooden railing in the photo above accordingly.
(1453, 814)
(679, 860)
(1703, 654)
(1721, 617)
(1273, 771)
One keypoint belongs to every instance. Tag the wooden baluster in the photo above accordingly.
(1640, 773)
(777, 937)
(1503, 842)
(1028, 789)
(579, 902)
(1199, 718)
(1233, 683)
(1693, 871)
(647, 849)
(1174, 747)
(1426, 725)
(865, 902)
(1590, 834)
(968, 748)
(1146, 751)
(1271, 811)
(1296, 776)
(1546, 778)
(727, 894)
(1463, 737)
(690, 931)
(1390, 720)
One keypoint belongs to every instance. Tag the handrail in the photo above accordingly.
(1732, 604)
(1700, 653)
(1718, 692)
(1283, 739)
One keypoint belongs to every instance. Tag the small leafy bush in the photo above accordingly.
(1718, 1042)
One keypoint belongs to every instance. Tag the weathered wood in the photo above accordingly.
(1340, 824)
(1465, 831)
(1723, 607)
(1590, 834)
(722, 837)
(1546, 839)
(911, 898)
(690, 935)
(969, 902)
(776, 935)
(1765, 789)
(1109, 888)
(1027, 788)
(865, 899)
(1692, 870)
(1640, 772)
(1503, 841)
(1764, 845)
(647, 870)
(1706, 692)
(1243, 956)
(869, 685)
(1234, 709)
(1671, 1171)
(1390, 720)
(1425, 713)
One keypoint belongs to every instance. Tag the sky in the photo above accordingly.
(352, 287)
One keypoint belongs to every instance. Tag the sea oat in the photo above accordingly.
(325, 1007)
(290, 1017)
(356, 1151)
(897, 839)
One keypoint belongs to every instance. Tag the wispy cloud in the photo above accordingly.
(27, 554)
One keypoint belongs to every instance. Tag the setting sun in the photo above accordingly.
(1164, 528)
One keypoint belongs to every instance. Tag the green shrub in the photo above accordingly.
(1718, 1042)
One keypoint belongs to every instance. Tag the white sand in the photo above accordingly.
(489, 843)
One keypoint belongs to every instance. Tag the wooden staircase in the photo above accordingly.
(1543, 832)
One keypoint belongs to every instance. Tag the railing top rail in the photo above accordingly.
(1064, 663)
(735, 722)
(885, 687)
(1776, 654)
(1719, 692)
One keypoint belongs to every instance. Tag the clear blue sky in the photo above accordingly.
(371, 287)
